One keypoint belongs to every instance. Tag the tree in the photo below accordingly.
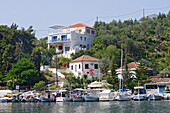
(39, 85)
(104, 65)
(23, 73)
(36, 58)
(165, 72)
(159, 29)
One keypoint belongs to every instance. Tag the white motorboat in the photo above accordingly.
(5, 99)
(139, 96)
(62, 96)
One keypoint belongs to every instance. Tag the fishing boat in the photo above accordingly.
(49, 97)
(78, 97)
(140, 93)
(62, 96)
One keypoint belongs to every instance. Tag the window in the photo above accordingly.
(71, 67)
(80, 46)
(81, 38)
(84, 46)
(96, 66)
(55, 37)
(75, 67)
(92, 32)
(79, 30)
(88, 31)
(79, 66)
(67, 48)
(87, 46)
(86, 66)
(84, 38)
(60, 47)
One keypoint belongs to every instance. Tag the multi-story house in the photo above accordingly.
(72, 39)
(85, 65)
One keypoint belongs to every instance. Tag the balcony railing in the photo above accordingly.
(58, 40)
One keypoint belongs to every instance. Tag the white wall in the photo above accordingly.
(79, 72)
(74, 35)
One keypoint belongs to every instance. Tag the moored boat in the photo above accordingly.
(140, 93)
(107, 95)
(154, 97)
(123, 97)
(91, 98)
(62, 96)
(78, 99)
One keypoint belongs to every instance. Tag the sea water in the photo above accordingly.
(87, 107)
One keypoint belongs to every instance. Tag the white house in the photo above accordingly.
(72, 39)
(85, 65)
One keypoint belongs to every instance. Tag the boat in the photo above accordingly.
(49, 97)
(123, 97)
(6, 99)
(107, 95)
(62, 96)
(154, 97)
(140, 93)
(78, 97)
(45, 99)
(91, 98)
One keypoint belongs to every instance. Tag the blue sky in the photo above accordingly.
(42, 14)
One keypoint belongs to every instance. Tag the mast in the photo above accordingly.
(122, 69)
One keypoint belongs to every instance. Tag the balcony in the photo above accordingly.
(65, 40)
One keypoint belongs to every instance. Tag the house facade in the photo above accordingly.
(85, 65)
(72, 39)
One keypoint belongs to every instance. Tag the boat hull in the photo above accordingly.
(154, 97)
(91, 99)
(138, 98)
(123, 98)
(61, 99)
(43, 99)
(78, 99)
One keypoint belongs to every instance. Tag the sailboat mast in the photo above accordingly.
(122, 68)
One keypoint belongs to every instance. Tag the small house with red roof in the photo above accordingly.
(85, 65)
(132, 67)
(72, 39)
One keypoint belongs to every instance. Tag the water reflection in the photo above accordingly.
(87, 107)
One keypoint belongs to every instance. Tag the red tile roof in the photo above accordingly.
(133, 65)
(85, 58)
(79, 25)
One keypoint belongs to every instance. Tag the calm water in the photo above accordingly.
(88, 107)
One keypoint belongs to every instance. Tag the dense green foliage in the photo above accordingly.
(146, 41)
(14, 45)
(22, 73)
(39, 85)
